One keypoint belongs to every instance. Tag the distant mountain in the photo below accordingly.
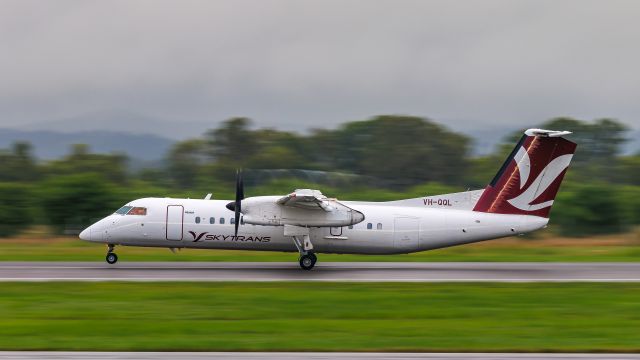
(51, 145)
(122, 122)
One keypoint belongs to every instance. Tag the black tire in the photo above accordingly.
(111, 258)
(307, 262)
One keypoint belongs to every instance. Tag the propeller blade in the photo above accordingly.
(237, 222)
(239, 197)
(240, 186)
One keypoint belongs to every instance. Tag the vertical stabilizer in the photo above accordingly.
(528, 181)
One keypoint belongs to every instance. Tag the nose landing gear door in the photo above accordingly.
(175, 222)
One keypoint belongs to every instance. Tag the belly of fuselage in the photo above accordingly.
(258, 238)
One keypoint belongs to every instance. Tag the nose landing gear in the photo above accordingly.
(111, 257)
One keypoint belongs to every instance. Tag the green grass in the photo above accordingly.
(320, 316)
(623, 248)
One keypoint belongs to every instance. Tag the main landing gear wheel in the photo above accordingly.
(302, 241)
(112, 258)
(308, 261)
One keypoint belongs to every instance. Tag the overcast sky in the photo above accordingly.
(307, 64)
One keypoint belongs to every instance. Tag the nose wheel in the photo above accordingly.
(308, 261)
(111, 257)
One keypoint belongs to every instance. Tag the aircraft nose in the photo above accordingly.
(86, 234)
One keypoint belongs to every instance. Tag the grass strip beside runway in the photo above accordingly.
(537, 317)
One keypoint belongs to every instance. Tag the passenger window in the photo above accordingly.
(138, 211)
(197, 219)
(232, 221)
(379, 226)
(222, 221)
(369, 226)
(212, 220)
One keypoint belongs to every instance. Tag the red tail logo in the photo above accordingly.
(528, 181)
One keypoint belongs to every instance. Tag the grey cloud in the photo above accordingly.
(303, 64)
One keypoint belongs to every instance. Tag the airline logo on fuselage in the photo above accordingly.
(205, 236)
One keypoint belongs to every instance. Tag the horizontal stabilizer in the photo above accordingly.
(548, 133)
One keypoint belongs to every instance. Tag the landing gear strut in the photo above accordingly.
(111, 257)
(302, 241)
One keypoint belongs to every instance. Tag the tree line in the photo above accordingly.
(382, 158)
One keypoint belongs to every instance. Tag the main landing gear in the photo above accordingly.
(302, 241)
(308, 261)
(111, 257)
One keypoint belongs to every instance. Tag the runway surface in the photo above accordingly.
(350, 272)
(50, 355)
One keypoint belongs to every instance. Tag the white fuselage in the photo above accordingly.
(388, 228)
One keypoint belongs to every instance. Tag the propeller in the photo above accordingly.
(236, 206)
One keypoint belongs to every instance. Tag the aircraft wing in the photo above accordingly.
(307, 199)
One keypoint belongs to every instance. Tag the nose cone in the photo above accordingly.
(86, 234)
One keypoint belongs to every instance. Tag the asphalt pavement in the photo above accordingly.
(337, 271)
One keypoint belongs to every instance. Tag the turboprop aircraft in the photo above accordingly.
(516, 201)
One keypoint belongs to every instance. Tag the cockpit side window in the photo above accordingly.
(123, 210)
(138, 211)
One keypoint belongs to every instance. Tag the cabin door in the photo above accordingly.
(175, 222)
(406, 232)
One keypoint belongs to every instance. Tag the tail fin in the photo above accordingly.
(528, 181)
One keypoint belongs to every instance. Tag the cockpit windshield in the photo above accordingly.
(123, 210)
(131, 210)
(138, 211)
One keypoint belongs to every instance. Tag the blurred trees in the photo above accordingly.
(184, 162)
(113, 167)
(403, 150)
(233, 142)
(582, 209)
(628, 171)
(382, 158)
(18, 164)
(72, 202)
(413, 150)
(15, 208)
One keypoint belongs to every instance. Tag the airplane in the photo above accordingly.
(517, 201)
